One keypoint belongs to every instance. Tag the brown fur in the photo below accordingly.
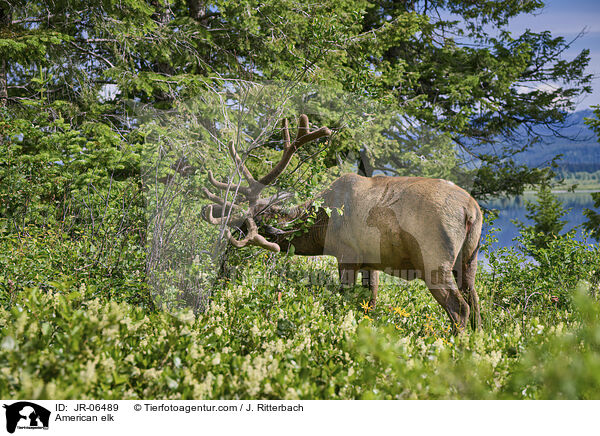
(410, 227)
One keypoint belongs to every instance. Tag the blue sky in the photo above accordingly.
(568, 18)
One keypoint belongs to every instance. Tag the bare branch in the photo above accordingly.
(93, 54)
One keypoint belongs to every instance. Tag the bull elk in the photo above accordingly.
(411, 227)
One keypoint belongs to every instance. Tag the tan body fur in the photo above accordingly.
(410, 227)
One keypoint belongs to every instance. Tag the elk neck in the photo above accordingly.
(310, 242)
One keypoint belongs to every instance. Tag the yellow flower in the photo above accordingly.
(400, 311)
(428, 328)
(368, 318)
(365, 306)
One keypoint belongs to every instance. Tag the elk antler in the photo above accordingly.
(255, 187)
(302, 137)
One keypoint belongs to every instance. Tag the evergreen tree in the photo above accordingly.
(449, 67)
(593, 222)
(546, 215)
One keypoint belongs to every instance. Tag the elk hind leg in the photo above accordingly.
(443, 287)
(370, 279)
(466, 282)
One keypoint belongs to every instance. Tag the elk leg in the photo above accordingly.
(467, 288)
(370, 279)
(347, 275)
(442, 286)
(465, 270)
(455, 306)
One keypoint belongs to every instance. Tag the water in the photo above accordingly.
(514, 208)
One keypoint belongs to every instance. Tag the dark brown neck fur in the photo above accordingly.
(309, 243)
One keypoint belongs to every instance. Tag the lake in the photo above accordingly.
(514, 208)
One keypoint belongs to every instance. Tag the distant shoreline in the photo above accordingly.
(564, 191)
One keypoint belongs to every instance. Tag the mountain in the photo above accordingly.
(579, 154)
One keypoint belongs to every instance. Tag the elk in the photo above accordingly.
(411, 227)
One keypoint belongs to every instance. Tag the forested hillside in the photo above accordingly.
(576, 143)
(118, 281)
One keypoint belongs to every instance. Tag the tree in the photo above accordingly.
(5, 20)
(546, 215)
(593, 222)
(458, 78)
(449, 67)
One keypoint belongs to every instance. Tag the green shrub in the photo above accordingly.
(311, 344)
(52, 259)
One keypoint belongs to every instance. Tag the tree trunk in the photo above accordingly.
(197, 9)
(5, 20)
(3, 85)
(365, 167)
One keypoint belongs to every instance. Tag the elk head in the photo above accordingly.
(232, 214)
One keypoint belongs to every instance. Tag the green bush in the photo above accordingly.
(314, 343)
(563, 363)
(51, 259)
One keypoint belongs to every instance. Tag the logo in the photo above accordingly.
(26, 415)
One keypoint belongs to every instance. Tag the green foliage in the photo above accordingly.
(245, 346)
(313, 343)
(565, 361)
(594, 123)
(593, 222)
(523, 286)
(546, 215)
(70, 212)
(52, 259)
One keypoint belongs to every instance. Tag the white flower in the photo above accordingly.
(89, 373)
(187, 317)
(9, 343)
(349, 323)
(109, 364)
(151, 374)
